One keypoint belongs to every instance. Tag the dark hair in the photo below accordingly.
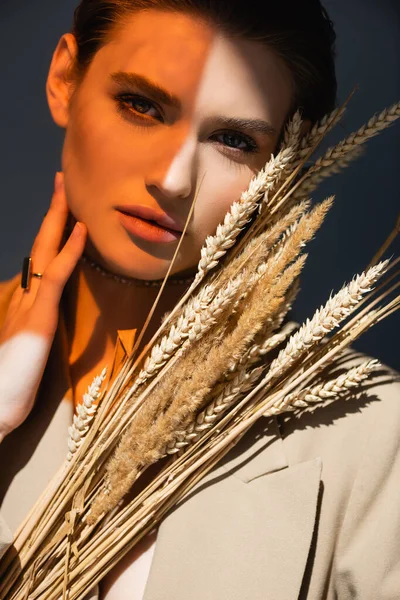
(300, 31)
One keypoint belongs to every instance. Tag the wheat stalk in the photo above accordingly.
(291, 138)
(311, 183)
(240, 379)
(318, 130)
(326, 318)
(180, 480)
(374, 126)
(239, 214)
(327, 392)
(144, 442)
(133, 518)
(180, 331)
(143, 446)
(85, 414)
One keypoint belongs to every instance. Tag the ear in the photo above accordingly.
(60, 84)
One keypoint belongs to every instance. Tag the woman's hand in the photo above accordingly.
(31, 321)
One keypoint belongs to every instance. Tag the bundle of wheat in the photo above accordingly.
(225, 356)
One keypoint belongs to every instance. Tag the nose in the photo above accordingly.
(177, 177)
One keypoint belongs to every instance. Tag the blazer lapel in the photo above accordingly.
(244, 531)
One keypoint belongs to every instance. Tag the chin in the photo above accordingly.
(137, 264)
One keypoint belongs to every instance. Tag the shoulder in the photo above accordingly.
(341, 432)
(357, 439)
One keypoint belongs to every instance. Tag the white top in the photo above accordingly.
(127, 581)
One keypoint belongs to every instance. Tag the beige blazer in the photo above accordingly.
(303, 508)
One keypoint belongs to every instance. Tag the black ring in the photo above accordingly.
(27, 273)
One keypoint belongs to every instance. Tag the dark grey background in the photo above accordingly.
(367, 195)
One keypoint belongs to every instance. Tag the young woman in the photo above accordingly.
(162, 100)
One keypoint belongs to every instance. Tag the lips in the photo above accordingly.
(149, 214)
(148, 224)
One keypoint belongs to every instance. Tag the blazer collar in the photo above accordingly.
(244, 531)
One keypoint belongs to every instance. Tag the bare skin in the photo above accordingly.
(156, 155)
(148, 151)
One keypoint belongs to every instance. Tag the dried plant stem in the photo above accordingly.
(240, 380)
(76, 480)
(321, 128)
(386, 245)
(142, 445)
(291, 137)
(311, 183)
(374, 126)
(85, 413)
(198, 467)
(218, 448)
(240, 213)
(326, 319)
(327, 392)
(269, 344)
(105, 406)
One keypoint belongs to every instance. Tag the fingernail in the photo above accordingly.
(58, 180)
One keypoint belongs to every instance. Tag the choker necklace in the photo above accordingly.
(132, 280)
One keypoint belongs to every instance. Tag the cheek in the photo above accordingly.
(226, 184)
(103, 151)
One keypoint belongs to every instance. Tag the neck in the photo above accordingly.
(96, 307)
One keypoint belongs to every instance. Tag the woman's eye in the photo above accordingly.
(138, 106)
(237, 142)
(141, 108)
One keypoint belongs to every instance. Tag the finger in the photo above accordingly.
(47, 243)
(56, 276)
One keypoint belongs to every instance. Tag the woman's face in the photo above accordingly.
(168, 108)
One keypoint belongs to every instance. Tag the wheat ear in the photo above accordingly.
(294, 239)
(325, 393)
(325, 319)
(85, 413)
(311, 183)
(318, 130)
(239, 214)
(145, 440)
(291, 137)
(240, 380)
(241, 383)
(179, 331)
(375, 125)
(257, 249)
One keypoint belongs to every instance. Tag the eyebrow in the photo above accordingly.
(251, 125)
(149, 87)
(160, 94)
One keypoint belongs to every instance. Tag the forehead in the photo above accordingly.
(196, 62)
